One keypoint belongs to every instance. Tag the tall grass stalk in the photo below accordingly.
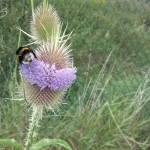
(32, 7)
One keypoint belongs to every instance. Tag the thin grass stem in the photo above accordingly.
(32, 8)
(113, 117)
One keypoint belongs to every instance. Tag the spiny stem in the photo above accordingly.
(32, 126)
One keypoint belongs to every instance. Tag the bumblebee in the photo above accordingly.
(25, 55)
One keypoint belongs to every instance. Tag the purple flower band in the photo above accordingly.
(48, 76)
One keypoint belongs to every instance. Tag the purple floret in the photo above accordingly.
(48, 76)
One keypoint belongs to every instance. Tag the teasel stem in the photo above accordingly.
(33, 125)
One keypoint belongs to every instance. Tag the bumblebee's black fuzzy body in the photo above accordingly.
(22, 52)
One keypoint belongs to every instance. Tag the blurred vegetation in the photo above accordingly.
(99, 27)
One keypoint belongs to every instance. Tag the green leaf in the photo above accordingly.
(11, 143)
(50, 142)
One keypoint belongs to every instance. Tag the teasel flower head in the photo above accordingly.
(47, 78)
(45, 21)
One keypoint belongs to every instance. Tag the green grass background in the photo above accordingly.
(97, 115)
